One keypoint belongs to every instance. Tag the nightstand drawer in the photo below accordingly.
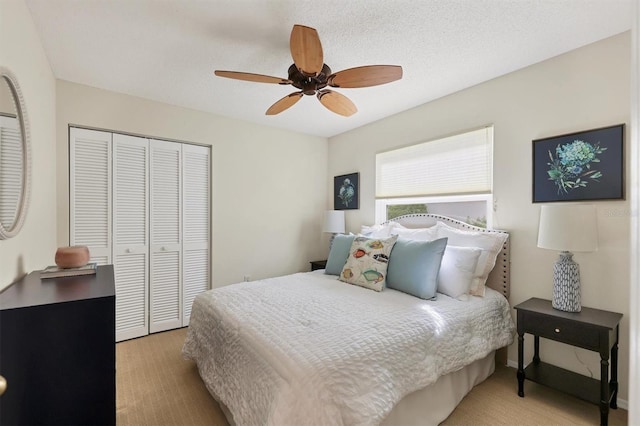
(559, 329)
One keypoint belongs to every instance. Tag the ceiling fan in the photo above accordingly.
(311, 75)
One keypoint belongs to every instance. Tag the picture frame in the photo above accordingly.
(346, 192)
(580, 166)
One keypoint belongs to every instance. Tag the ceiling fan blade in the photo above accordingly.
(366, 76)
(306, 50)
(337, 103)
(284, 103)
(246, 76)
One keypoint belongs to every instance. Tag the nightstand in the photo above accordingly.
(318, 264)
(591, 329)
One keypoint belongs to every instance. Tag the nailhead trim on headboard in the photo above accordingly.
(499, 278)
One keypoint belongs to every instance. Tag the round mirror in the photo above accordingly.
(14, 156)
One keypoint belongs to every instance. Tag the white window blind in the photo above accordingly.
(460, 164)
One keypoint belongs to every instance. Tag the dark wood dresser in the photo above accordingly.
(57, 350)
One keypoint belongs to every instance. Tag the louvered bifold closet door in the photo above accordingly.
(11, 170)
(196, 224)
(90, 192)
(165, 295)
(131, 242)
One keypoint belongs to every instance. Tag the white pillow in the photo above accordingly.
(376, 231)
(393, 228)
(417, 234)
(489, 242)
(457, 270)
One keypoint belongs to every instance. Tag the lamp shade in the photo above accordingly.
(333, 221)
(568, 227)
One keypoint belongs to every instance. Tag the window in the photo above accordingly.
(450, 176)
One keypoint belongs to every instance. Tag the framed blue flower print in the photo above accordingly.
(346, 192)
(587, 165)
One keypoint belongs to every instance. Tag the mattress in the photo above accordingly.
(309, 349)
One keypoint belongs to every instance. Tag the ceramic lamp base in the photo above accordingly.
(72, 257)
(566, 284)
(333, 237)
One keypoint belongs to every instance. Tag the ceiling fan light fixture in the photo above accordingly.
(311, 75)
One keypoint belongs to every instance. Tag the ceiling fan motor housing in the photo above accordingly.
(309, 84)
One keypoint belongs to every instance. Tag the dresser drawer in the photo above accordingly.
(559, 329)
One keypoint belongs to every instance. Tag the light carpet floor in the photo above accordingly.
(155, 386)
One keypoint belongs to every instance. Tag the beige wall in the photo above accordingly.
(634, 193)
(583, 89)
(21, 52)
(7, 105)
(269, 185)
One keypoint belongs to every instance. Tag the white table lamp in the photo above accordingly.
(333, 223)
(568, 228)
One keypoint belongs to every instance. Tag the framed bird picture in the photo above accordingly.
(346, 192)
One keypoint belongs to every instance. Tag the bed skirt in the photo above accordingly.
(433, 404)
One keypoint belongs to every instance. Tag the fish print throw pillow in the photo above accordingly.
(367, 262)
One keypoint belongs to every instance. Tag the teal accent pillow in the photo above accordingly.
(414, 267)
(338, 254)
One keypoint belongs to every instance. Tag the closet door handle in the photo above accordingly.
(3, 385)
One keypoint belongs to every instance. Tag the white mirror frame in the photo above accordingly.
(23, 203)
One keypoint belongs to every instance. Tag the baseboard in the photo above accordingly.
(622, 403)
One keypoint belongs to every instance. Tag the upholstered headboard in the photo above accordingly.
(499, 278)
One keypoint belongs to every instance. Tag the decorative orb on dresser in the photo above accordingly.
(72, 257)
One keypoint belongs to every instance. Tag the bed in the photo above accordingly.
(310, 349)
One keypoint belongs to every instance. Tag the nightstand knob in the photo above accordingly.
(557, 330)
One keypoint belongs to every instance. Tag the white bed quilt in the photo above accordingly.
(309, 349)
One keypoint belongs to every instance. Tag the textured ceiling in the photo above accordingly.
(167, 50)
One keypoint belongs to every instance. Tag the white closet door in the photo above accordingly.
(197, 224)
(165, 304)
(130, 236)
(90, 192)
